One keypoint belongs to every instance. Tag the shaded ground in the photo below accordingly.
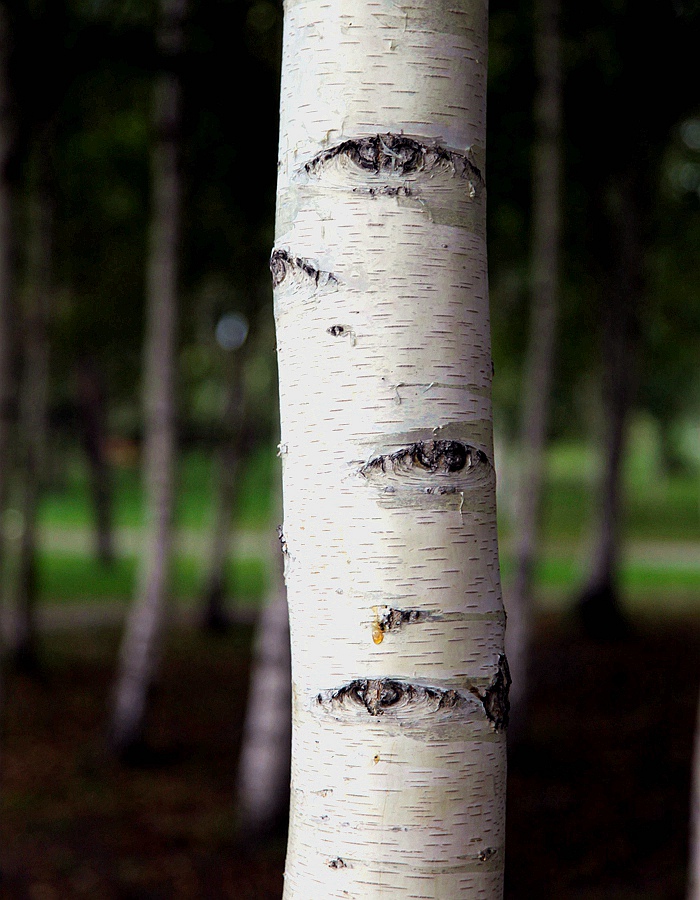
(597, 799)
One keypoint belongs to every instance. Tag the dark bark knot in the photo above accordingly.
(379, 696)
(495, 698)
(389, 619)
(337, 863)
(396, 154)
(282, 264)
(435, 457)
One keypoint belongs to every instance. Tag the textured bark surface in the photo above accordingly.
(381, 303)
(539, 362)
(141, 645)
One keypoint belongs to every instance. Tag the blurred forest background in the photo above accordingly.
(600, 780)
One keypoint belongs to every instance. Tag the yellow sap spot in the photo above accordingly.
(377, 633)
(376, 758)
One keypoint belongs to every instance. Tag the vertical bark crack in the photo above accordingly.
(495, 698)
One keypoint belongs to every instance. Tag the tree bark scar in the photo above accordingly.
(337, 863)
(388, 619)
(282, 540)
(385, 695)
(282, 264)
(435, 457)
(396, 154)
(495, 698)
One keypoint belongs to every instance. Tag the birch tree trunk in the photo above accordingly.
(34, 397)
(400, 682)
(92, 412)
(694, 867)
(539, 362)
(228, 461)
(623, 297)
(263, 770)
(141, 644)
(7, 139)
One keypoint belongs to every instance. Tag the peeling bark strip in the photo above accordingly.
(495, 697)
(381, 695)
(436, 457)
(282, 263)
(398, 155)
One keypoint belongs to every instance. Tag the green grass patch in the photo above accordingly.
(68, 577)
(68, 504)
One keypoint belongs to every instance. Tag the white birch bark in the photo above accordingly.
(141, 645)
(263, 769)
(399, 675)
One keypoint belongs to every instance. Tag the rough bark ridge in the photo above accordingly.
(141, 645)
(539, 363)
(400, 683)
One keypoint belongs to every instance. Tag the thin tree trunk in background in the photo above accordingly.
(599, 605)
(141, 644)
(400, 681)
(34, 397)
(7, 261)
(694, 856)
(264, 766)
(215, 616)
(539, 363)
(92, 411)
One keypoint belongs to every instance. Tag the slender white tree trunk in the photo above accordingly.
(400, 683)
(539, 362)
(227, 480)
(141, 644)
(694, 867)
(7, 136)
(263, 770)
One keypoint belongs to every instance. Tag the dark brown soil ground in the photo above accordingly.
(598, 795)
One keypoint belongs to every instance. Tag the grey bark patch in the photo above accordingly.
(396, 154)
(386, 695)
(282, 540)
(282, 263)
(495, 698)
(389, 619)
(443, 457)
